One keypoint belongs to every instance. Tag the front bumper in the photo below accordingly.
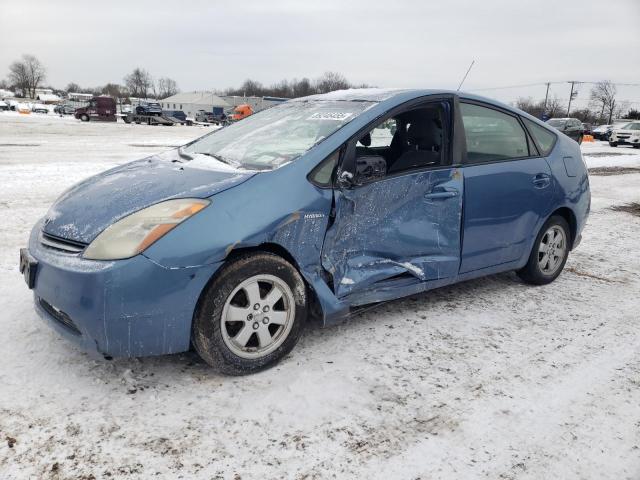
(625, 141)
(123, 308)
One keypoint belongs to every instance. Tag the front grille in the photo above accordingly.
(59, 316)
(62, 244)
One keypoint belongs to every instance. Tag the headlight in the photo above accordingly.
(135, 233)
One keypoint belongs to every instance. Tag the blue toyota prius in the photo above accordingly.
(314, 207)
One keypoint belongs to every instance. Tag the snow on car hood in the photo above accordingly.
(86, 209)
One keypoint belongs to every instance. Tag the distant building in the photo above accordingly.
(79, 97)
(191, 102)
(48, 98)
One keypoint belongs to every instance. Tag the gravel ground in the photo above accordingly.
(486, 379)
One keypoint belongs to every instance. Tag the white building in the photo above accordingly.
(191, 102)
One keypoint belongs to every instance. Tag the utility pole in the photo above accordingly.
(546, 97)
(571, 96)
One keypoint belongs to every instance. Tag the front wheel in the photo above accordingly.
(84, 117)
(613, 144)
(549, 254)
(251, 315)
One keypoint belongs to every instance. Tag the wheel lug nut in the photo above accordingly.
(250, 316)
(265, 309)
(256, 325)
(265, 320)
(256, 306)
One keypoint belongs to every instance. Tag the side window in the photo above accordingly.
(382, 135)
(411, 140)
(322, 175)
(546, 140)
(492, 135)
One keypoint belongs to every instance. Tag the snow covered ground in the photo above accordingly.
(486, 379)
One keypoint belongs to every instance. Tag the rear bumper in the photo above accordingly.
(123, 308)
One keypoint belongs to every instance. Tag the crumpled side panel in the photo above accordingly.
(389, 228)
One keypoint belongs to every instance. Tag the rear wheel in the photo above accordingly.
(251, 315)
(549, 254)
(613, 144)
(84, 117)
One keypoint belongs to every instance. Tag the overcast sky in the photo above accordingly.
(208, 44)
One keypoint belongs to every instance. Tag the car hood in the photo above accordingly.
(86, 209)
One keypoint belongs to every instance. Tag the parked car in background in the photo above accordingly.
(64, 109)
(587, 128)
(3, 106)
(149, 108)
(312, 205)
(628, 134)
(602, 132)
(98, 109)
(571, 127)
(39, 108)
(178, 114)
(217, 116)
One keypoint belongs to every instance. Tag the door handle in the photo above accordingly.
(441, 193)
(541, 180)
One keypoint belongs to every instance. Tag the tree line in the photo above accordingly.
(604, 106)
(327, 82)
(27, 74)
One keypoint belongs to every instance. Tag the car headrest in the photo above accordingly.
(424, 133)
(366, 140)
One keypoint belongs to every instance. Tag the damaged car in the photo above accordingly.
(311, 209)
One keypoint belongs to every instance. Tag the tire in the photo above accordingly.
(613, 144)
(243, 287)
(636, 146)
(534, 272)
(84, 117)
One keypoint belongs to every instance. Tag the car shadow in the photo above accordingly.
(448, 298)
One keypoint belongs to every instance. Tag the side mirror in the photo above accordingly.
(369, 168)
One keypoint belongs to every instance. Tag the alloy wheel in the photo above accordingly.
(552, 250)
(257, 316)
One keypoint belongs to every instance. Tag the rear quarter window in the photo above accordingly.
(545, 139)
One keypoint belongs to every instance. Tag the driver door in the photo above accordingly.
(401, 228)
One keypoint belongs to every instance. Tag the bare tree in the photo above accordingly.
(27, 74)
(331, 81)
(301, 88)
(139, 82)
(19, 77)
(167, 87)
(112, 89)
(73, 87)
(604, 95)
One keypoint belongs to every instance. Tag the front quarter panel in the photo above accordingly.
(274, 207)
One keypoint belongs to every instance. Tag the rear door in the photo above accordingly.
(402, 227)
(508, 188)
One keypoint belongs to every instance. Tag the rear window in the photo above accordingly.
(492, 135)
(542, 136)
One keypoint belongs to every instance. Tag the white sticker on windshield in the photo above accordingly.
(339, 116)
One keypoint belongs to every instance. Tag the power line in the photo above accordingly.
(550, 83)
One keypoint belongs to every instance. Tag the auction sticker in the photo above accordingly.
(339, 116)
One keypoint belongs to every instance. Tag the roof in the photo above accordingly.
(202, 98)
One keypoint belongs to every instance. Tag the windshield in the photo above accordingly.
(556, 123)
(632, 126)
(278, 135)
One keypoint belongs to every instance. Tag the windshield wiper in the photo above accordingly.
(181, 154)
(217, 157)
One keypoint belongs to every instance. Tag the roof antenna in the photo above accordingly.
(465, 75)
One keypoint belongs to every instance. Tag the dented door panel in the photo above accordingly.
(404, 226)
